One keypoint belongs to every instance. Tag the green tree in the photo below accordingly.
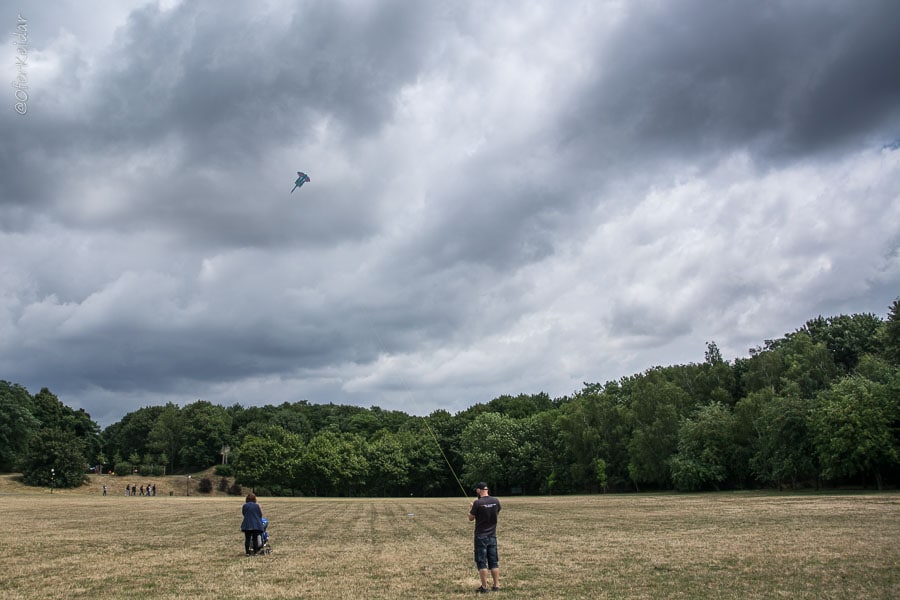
(762, 371)
(133, 433)
(17, 424)
(388, 471)
(497, 451)
(593, 424)
(889, 335)
(271, 461)
(792, 365)
(784, 453)
(53, 414)
(166, 436)
(653, 416)
(444, 435)
(334, 463)
(206, 428)
(521, 406)
(543, 432)
(705, 449)
(847, 337)
(600, 470)
(854, 429)
(134, 462)
(875, 368)
(429, 474)
(810, 366)
(747, 433)
(292, 418)
(54, 456)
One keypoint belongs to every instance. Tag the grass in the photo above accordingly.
(741, 545)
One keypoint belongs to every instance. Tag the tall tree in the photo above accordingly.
(785, 453)
(167, 434)
(890, 334)
(270, 461)
(705, 449)
(496, 450)
(853, 427)
(593, 425)
(334, 463)
(55, 457)
(847, 337)
(388, 464)
(17, 424)
(429, 474)
(653, 416)
(132, 434)
(521, 406)
(206, 429)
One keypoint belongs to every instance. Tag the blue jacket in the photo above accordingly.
(252, 517)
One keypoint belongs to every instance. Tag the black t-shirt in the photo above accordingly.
(485, 510)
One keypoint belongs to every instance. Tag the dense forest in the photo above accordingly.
(817, 407)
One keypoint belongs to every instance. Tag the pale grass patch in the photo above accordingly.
(740, 545)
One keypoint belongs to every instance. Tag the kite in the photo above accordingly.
(300, 180)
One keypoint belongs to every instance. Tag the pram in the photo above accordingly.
(262, 540)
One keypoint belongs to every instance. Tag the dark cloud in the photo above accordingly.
(783, 77)
(505, 198)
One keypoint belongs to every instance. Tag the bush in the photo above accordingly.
(224, 471)
(235, 490)
(205, 485)
(223, 484)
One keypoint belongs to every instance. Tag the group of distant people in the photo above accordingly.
(483, 510)
(133, 490)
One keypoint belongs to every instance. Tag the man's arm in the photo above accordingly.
(471, 506)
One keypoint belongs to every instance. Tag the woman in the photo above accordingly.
(252, 526)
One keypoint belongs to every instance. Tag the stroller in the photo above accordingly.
(262, 541)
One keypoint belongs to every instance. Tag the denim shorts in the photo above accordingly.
(486, 552)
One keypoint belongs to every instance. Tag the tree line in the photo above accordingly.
(819, 406)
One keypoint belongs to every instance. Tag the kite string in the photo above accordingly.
(409, 393)
(438, 444)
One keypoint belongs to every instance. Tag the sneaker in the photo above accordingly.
(496, 588)
(481, 590)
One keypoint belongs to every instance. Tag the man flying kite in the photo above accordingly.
(300, 180)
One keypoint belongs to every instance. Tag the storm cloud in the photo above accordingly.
(505, 197)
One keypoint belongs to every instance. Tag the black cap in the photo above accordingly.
(481, 485)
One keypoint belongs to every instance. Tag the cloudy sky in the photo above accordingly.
(506, 197)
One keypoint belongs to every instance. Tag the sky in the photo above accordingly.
(505, 197)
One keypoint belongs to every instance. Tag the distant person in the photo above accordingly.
(484, 511)
(252, 525)
(104, 489)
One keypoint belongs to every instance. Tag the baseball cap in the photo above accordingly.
(481, 485)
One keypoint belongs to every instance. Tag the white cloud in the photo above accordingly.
(515, 197)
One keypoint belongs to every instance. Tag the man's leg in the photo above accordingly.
(481, 561)
(493, 560)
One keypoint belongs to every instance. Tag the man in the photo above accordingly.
(484, 511)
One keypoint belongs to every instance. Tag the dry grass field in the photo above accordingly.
(742, 545)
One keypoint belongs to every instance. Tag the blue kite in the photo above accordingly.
(300, 180)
